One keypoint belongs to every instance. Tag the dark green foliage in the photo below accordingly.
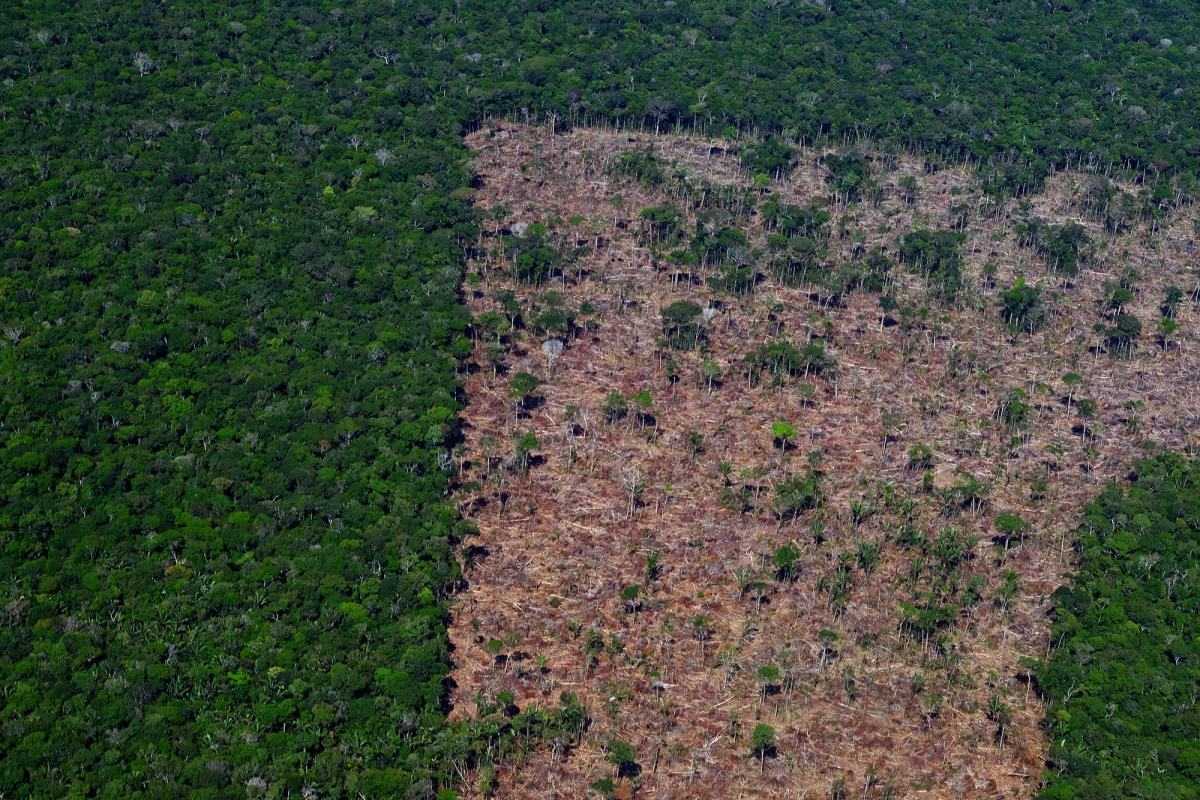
(524, 445)
(643, 166)
(871, 274)
(1022, 306)
(623, 756)
(771, 157)
(1118, 296)
(1010, 527)
(662, 225)
(1121, 337)
(682, 324)
(735, 279)
(786, 561)
(1172, 297)
(867, 555)
(230, 273)
(1028, 86)
(799, 261)
(925, 617)
(605, 787)
(782, 359)
(849, 175)
(936, 576)
(920, 456)
(616, 407)
(1121, 683)
(553, 320)
(1063, 246)
(227, 423)
(936, 255)
(799, 237)
(789, 220)
(796, 494)
(535, 260)
(629, 595)
(523, 386)
(719, 245)
(1012, 410)
(1015, 178)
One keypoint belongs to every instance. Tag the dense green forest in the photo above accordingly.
(1124, 678)
(232, 239)
(228, 377)
(1031, 83)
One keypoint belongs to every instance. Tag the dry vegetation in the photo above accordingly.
(854, 696)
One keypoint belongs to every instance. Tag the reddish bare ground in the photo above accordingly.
(562, 543)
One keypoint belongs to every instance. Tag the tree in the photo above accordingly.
(999, 712)
(868, 556)
(771, 157)
(849, 175)
(1063, 246)
(1167, 327)
(629, 595)
(1022, 306)
(1010, 527)
(920, 456)
(783, 434)
(682, 325)
(551, 349)
(623, 756)
(616, 407)
(661, 110)
(782, 359)
(524, 388)
(143, 63)
(711, 371)
(768, 678)
(702, 629)
(935, 255)
(762, 743)
(786, 560)
(645, 404)
(525, 445)
(1122, 657)
(797, 494)
(1121, 337)
(1013, 411)
(662, 225)
(1072, 380)
(653, 565)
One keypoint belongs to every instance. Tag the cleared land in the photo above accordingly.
(885, 654)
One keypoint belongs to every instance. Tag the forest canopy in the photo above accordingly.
(232, 243)
(1122, 681)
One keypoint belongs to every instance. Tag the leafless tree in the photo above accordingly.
(631, 480)
(551, 349)
(143, 62)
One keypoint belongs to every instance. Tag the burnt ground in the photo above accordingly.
(716, 641)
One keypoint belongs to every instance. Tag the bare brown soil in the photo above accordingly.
(562, 540)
